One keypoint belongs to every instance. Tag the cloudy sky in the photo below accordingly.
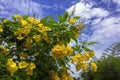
(102, 17)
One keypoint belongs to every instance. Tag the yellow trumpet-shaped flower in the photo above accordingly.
(47, 28)
(78, 67)
(3, 50)
(11, 66)
(18, 17)
(69, 50)
(1, 30)
(20, 37)
(40, 25)
(91, 53)
(54, 75)
(31, 19)
(23, 55)
(30, 68)
(23, 22)
(76, 34)
(37, 21)
(76, 58)
(94, 66)
(59, 51)
(84, 67)
(5, 20)
(72, 21)
(36, 54)
(37, 38)
(82, 24)
(65, 75)
(22, 64)
(86, 56)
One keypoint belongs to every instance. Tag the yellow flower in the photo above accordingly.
(20, 37)
(76, 58)
(45, 37)
(18, 17)
(47, 28)
(82, 24)
(3, 50)
(41, 28)
(31, 19)
(36, 54)
(69, 50)
(84, 67)
(30, 68)
(91, 53)
(94, 66)
(78, 67)
(29, 40)
(72, 21)
(37, 21)
(76, 34)
(22, 64)
(23, 55)
(23, 22)
(59, 51)
(54, 75)
(5, 20)
(37, 38)
(86, 56)
(40, 25)
(65, 75)
(11, 66)
(1, 30)
(28, 43)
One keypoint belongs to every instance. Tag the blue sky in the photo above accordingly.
(102, 17)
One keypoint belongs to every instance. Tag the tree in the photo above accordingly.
(108, 69)
(113, 50)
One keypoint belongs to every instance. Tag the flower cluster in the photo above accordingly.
(94, 66)
(29, 43)
(31, 24)
(81, 60)
(60, 51)
(63, 76)
(13, 66)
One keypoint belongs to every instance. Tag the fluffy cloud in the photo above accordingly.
(86, 10)
(10, 7)
(106, 32)
(101, 25)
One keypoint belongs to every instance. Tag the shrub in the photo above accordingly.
(34, 49)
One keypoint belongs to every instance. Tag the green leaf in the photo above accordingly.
(13, 18)
(92, 43)
(66, 15)
(51, 19)
(77, 17)
(60, 18)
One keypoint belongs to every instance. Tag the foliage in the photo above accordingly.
(108, 69)
(34, 49)
(113, 50)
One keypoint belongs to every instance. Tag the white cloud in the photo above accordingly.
(106, 28)
(23, 7)
(53, 7)
(118, 4)
(106, 32)
(86, 11)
